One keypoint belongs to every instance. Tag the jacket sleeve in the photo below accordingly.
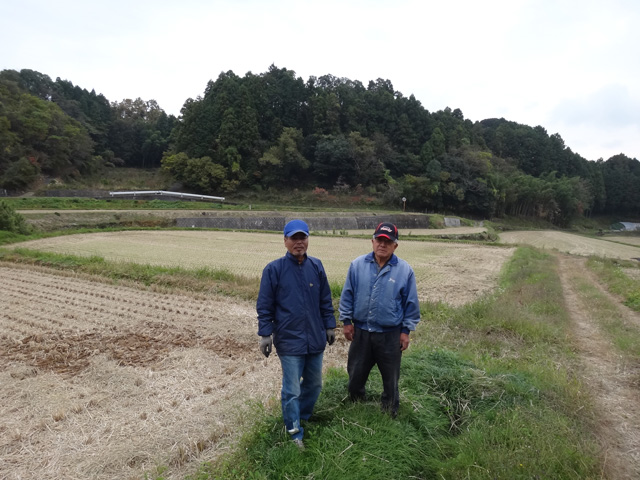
(411, 305)
(326, 304)
(347, 297)
(266, 304)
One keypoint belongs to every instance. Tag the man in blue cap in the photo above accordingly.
(295, 313)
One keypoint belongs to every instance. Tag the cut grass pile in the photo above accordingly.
(487, 391)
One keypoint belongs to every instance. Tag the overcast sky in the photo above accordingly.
(571, 66)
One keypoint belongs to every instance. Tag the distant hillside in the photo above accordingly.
(275, 131)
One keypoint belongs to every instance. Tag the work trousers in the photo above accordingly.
(372, 348)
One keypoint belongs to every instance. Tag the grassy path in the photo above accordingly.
(610, 370)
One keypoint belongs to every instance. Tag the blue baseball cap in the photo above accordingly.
(296, 226)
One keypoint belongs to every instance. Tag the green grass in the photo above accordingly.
(10, 237)
(611, 274)
(624, 336)
(487, 391)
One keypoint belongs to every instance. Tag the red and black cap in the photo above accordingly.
(387, 230)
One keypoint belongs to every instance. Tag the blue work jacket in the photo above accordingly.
(380, 299)
(294, 304)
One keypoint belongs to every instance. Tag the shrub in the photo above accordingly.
(11, 221)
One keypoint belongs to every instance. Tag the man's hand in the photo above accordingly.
(404, 341)
(331, 336)
(348, 332)
(265, 345)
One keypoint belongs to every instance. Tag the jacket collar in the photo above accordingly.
(371, 258)
(293, 258)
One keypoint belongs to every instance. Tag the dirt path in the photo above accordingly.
(611, 378)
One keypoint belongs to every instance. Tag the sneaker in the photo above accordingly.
(299, 443)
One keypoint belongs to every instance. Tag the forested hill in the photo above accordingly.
(276, 130)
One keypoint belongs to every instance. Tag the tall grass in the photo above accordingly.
(487, 391)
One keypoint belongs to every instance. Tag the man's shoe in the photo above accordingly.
(299, 443)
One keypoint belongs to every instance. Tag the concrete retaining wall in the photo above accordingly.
(315, 223)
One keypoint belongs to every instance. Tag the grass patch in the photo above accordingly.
(10, 237)
(610, 272)
(624, 336)
(487, 391)
(201, 280)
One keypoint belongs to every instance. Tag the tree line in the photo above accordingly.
(275, 131)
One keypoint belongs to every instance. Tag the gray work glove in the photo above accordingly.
(265, 345)
(331, 336)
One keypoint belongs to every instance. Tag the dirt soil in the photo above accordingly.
(613, 380)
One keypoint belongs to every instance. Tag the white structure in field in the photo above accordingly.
(162, 193)
(626, 226)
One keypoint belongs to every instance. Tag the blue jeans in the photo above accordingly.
(301, 385)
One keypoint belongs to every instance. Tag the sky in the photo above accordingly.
(571, 66)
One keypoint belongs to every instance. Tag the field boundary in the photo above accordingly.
(276, 223)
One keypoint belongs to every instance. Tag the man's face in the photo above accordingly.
(383, 248)
(297, 244)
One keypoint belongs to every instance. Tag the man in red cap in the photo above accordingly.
(379, 307)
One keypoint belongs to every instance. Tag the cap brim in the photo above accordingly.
(291, 234)
(385, 236)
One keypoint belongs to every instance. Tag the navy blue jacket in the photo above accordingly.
(294, 304)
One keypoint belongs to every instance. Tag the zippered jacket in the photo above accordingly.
(380, 299)
(294, 304)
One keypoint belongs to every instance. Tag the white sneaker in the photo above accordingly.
(299, 443)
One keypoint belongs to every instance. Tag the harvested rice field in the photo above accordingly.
(574, 244)
(454, 273)
(107, 381)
